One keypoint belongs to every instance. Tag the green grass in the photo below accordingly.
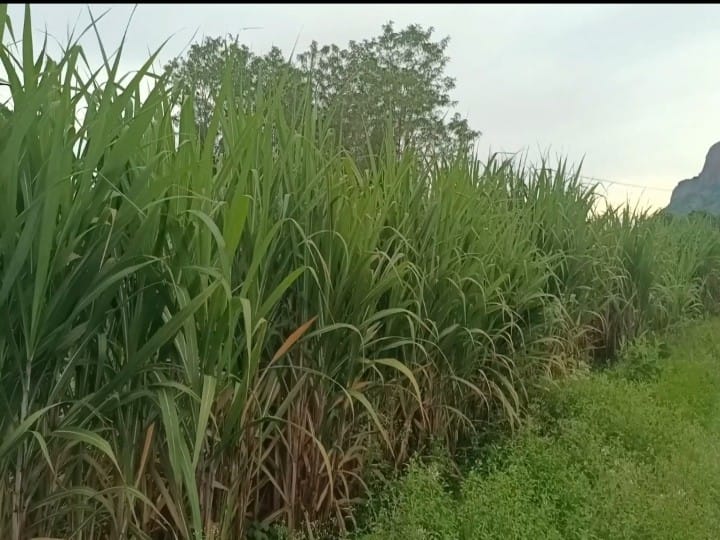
(196, 343)
(627, 453)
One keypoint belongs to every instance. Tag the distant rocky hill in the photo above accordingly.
(701, 193)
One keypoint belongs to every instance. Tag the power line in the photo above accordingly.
(614, 182)
(605, 181)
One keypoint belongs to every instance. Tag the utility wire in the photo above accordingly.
(605, 181)
(614, 182)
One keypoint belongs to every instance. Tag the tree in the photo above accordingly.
(396, 79)
(201, 73)
(398, 76)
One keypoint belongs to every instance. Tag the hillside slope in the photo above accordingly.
(701, 193)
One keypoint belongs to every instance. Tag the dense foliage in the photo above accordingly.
(189, 345)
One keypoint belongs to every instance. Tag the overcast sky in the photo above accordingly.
(632, 90)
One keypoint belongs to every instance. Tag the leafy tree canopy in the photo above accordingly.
(396, 79)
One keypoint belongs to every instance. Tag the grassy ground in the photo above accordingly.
(628, 453)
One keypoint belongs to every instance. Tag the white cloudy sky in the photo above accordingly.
(634, 91)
